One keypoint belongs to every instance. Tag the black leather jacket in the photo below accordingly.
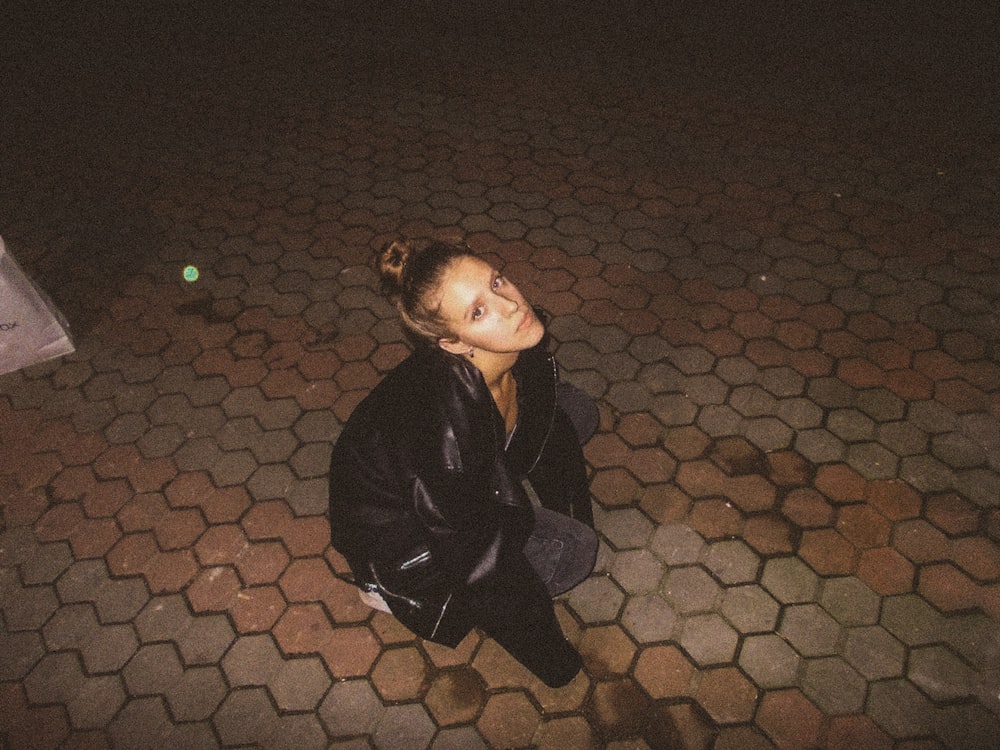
(426, 499)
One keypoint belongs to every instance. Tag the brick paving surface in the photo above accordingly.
(768, 241)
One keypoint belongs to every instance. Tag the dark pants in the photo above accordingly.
(516, 610)
(521, 619)
(561, 552)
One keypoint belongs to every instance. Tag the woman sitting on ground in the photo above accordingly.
(432, 478)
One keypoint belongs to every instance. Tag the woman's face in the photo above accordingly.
(485, 311)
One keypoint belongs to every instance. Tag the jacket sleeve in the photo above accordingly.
(413, 534)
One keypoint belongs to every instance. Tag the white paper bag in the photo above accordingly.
(31, 328)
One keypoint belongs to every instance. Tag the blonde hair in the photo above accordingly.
(410, 276)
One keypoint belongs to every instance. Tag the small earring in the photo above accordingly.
(471, 354)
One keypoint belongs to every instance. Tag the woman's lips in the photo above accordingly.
(527, 320)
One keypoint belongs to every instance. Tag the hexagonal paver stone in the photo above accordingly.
(163, 618)
(26, 608)
(664, 672)
(790, 580)
(782, 381)
(309, 497)
(509, 720)
(455, 696)
(76, 627)
(872, 460)
(47, 563)
(810, 630)
(874, 652)
(957, 450)
(912, 619)
(799, 413)
(296, 732)
(299, 684)
(273, 446)
(706, 389)
(981, 486)
(834, 686)
(153, 670)
(649, 618)
(252, 660)
(732, 561)
(196, 695)
(940, 674)
(932, 416)
(770, 661)
(727, 696)
(625, 528)
(597, 599)
(750, 609)
(620, 707)
(900, 709)
(902, 438)
(752, 401)
(277, 413)
(926, 474)
(768, 433)
(976, 637)
(880, 404)
(637, 571)
(96, 702)
(459, 738)
(850, 601)
(404, 727)
(21, 652)
(232, 468)
(717, 420)
(317, 426)
(677, 544)
(399, 674)
(690, 589)
(850, 425)
(708, 639)
(108, 648)
(606, 650)
(196, 736)
(819, 446)
(736, 370)
(968, 726)
(351, 707)
(137, 721)
(271, 482)
(120, 600)
(246, 717)
(70, 626)
(692, 360)
(311, 460)
(205, 639)
(116, 600)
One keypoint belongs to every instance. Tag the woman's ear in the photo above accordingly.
(453, 346)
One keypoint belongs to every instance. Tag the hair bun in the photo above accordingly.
(391, 263)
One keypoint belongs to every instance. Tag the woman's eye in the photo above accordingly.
(498, 282)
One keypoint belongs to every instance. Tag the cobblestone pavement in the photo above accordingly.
(768, 239)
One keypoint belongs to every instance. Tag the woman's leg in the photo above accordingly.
(562, 551)
(521, 619)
